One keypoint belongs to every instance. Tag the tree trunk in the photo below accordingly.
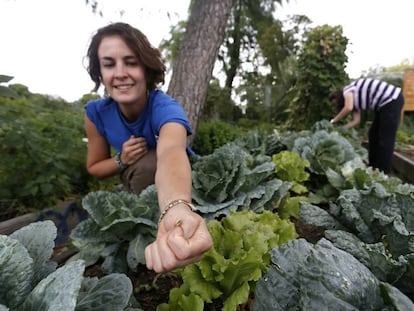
(194, 65)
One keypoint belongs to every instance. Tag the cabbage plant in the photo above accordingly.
(119, 227)
(30, 281)
(304, 276)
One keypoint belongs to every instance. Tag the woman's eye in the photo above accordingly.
(107, 65)
(132, 64)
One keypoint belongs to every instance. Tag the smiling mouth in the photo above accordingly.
(123, 87)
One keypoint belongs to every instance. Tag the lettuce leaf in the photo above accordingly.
(228, 272)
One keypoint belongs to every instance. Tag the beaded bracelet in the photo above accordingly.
(174, 203)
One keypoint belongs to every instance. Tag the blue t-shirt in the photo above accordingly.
(111, 124)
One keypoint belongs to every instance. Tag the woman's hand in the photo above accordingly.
(133, 150)
(182, 239)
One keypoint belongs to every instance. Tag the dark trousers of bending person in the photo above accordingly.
(382, 135)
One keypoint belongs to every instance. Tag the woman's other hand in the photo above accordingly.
(133, 150)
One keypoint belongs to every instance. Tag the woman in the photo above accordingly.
(149, 131)
(387, 101)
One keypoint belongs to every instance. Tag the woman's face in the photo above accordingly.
(122, 74)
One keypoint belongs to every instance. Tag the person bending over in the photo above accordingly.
(386, 101)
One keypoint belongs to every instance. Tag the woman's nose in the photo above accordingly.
(120, 71)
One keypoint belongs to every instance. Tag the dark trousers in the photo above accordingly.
(382, 135)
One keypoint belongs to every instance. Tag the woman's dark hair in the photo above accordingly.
(149, 56)
(337, 98)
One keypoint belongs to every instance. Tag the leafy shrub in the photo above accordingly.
(259, 143)
(212, 135)
(43, 155)
(252, 124)
(321, 70)
(4, 90)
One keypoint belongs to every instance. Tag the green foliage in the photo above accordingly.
(392, 71)
(366, 213)
(30, 281)
(228, 272)
(405, 134)
(321, 67)
(303, 276)
(212, 135)
(374, 222)
(254, 39)
(268, 96)
(120, 226)
(4, 90)
(405, 64)
(43, 151)
(249, 19)
(289, 166)
(43, 155)
(324, 150)
(87, 97)
(231, 178)
(219, 106)
(171, 46)
(290, 206)
(260, 143)
(235, 186)
(246, 125)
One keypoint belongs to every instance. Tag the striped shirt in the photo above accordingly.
(371, 94)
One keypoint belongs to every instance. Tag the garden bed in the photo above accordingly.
(403, 165)
(152, 289)
(65, 216)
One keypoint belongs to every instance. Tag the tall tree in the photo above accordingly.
(248, 22)
(193, 68)
(247, 30)
(321, 68)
